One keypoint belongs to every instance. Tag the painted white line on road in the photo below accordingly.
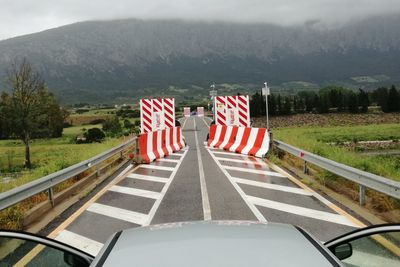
(148, 178)
(155, 167)
(251, 206)
(80, 242)
(272, 186)
(306, 212)
(241, 161)
(135, 192)
(184, 123)
(76, 214)
(168, 160)
(163, 191)
(117, 213)
(203, 185)
(268, 173)
(218, 152)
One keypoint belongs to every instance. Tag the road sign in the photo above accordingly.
(232, 110)
(156, 114)
(186, 111)
(200, 111)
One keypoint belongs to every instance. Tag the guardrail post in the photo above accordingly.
(305, 167)
(362, 195)
(97, 170)
(137, 146)
(51, 196)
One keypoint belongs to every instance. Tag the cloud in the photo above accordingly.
(25, 16)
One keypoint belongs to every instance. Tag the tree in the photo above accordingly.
(381, 95)
(393, 101)
(112, 125)
(352, 102)
(94, 135)
(31, 108)
(363, 100)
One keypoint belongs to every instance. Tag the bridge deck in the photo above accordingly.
(200, 184)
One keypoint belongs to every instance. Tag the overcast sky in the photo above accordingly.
(18, 17)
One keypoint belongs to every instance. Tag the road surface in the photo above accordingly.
(200, 183)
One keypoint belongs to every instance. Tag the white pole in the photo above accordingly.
(266, 104)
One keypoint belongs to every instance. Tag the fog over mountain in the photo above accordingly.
(103, 61)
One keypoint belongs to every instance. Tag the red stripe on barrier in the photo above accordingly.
(244, 140)
(155, 148)
(157, 106)
(221, 137)
(163, 142)
(221, 115)
(242, 99)
(258, 142)
(231, 101)
(211, 135)
(143, 147)
(146, 104)
(232, 138)
(242, 122)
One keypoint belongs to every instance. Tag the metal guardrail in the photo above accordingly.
(364, 179)
(25, 191)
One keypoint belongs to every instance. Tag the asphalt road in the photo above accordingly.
(200, 183)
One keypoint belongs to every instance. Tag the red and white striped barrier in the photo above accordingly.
(243, 140)
(200, 111)
(158, 144)
(157, 114)
(232, 110)
(186, 111)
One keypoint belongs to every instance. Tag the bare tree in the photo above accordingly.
(26, 107)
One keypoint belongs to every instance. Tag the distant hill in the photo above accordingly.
(111, 61)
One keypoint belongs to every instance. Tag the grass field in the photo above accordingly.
(316, 139)
(47, 155)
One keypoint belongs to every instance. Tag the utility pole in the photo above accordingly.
(265, 91)
(213, 94)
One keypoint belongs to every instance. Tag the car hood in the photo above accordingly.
(216, 243)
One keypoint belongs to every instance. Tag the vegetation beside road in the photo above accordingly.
(316, 140)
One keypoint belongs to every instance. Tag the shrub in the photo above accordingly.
(94, 135)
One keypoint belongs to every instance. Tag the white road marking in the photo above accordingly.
(225, 153)
(240, 161)
(155, 167)
(306, 212)
(163, 191)
(148, 178)
(273, 186)
(168, 160)
(80, 242)
(252, 207)
(203, 185)
(184, 123)
(268, 173)
(117, 213)
(135, 192)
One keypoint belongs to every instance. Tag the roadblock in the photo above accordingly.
(158, 144)
(243, 140)
(200, 111)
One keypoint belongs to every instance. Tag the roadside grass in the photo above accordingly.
(47, 155)
(316, 139)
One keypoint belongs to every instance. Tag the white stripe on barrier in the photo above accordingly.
(251, 141)
(238, 139)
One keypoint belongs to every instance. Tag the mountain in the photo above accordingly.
(111, 61)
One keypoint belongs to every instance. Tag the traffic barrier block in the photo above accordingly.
(243, 140)
(158, 144)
